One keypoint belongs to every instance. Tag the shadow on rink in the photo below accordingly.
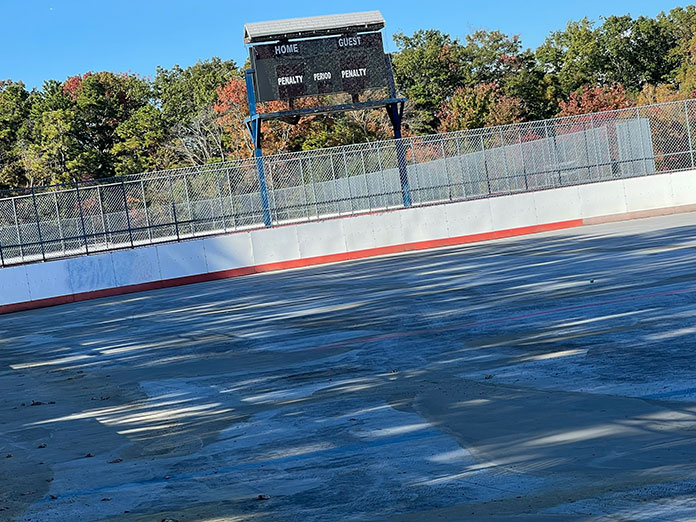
(542, 378)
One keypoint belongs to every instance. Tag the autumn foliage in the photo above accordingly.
(595, 99)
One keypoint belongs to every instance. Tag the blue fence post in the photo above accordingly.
(396, 112)
(254, 126)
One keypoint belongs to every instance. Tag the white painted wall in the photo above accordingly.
(63, 277)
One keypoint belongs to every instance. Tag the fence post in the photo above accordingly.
(38, 223)
(147, 216)
(385, 199)
(485, 165)
(502, 148)
(82, 216)
(20, 240)
(171, 194)
(190, 209)
(2, 258)
(222, 208)
(364, 169)
(103, 217)
(444, 158)
(524, 167)
(304, 184)
(688, 132)
(333, 174)
(60, 227)
(596, 147)
(345, 169)
(461, 168)
(232, 210)
(642, 146)
(416, 170)
(125, 207)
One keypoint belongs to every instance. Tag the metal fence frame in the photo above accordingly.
(50, 222)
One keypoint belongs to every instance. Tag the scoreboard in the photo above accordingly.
(350, 63)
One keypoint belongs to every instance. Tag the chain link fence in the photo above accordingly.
(50, 222)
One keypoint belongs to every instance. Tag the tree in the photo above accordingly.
(428, 67)
(572, 57)
(184, 93)
(142, 144)
(187, 98)
(14, 112)
(595, 99)
(636, 52)
(484, 105)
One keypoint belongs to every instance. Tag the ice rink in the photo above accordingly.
(543, 378)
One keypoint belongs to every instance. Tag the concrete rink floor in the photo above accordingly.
(543, 378)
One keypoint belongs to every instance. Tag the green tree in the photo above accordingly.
(572, 57)
(636, 52)
(428, 67)
(14, 113)
(187, 98)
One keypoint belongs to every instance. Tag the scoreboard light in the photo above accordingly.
(292, 69)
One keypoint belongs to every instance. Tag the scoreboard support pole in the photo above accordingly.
(254, 127)
(396, 113)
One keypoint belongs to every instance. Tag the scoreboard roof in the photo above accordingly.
(312, 26)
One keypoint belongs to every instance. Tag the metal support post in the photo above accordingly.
(20, 240)
(505, 165)
(103, 220)
(38, 223)
(395, 112)
(82, 215)
(524, 166)
(171, 195)
(190, 209)
(60, 227)
(345, 169)
(642, 147)
(254, 127)
(233, 214)
(485, 165)
(688, 132)
(147, 217)
(222, 208)
(125, 208)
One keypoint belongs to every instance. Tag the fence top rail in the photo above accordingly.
(595, 119)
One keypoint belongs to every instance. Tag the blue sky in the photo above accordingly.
(45, 39)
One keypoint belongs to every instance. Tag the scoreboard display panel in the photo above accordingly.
(288, 70)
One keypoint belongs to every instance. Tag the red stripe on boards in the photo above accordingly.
(285, 265)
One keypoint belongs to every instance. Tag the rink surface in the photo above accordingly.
(550, 377)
